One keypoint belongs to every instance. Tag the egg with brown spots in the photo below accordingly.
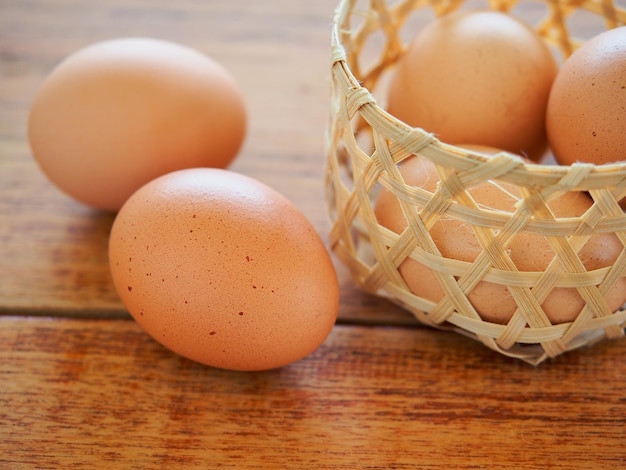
(223, 270)
(586, 114)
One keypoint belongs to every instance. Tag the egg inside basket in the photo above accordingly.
(366, 146)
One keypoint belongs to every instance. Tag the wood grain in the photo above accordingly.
(91, 394)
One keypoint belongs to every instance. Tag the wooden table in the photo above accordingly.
(82, 386)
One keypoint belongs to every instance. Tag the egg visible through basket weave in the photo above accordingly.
(459, 240)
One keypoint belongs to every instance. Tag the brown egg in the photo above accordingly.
(586, 115)
(476, 77)
(529, 252)
(116, 114)
(223, 270)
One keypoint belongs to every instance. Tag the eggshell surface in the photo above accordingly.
(118, 113)
(223, 270)
(476, 77)
(531, 252)
(586, 115)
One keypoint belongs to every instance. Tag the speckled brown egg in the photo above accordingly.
(224, 270)
(531, 252)
(586, 115)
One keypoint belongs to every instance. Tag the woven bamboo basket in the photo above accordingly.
(365, 145)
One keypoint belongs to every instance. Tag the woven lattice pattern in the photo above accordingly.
(365, 145)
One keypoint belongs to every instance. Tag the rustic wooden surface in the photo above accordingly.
(81, 386)
(80, 393)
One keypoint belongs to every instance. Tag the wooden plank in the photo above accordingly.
(100, 393)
